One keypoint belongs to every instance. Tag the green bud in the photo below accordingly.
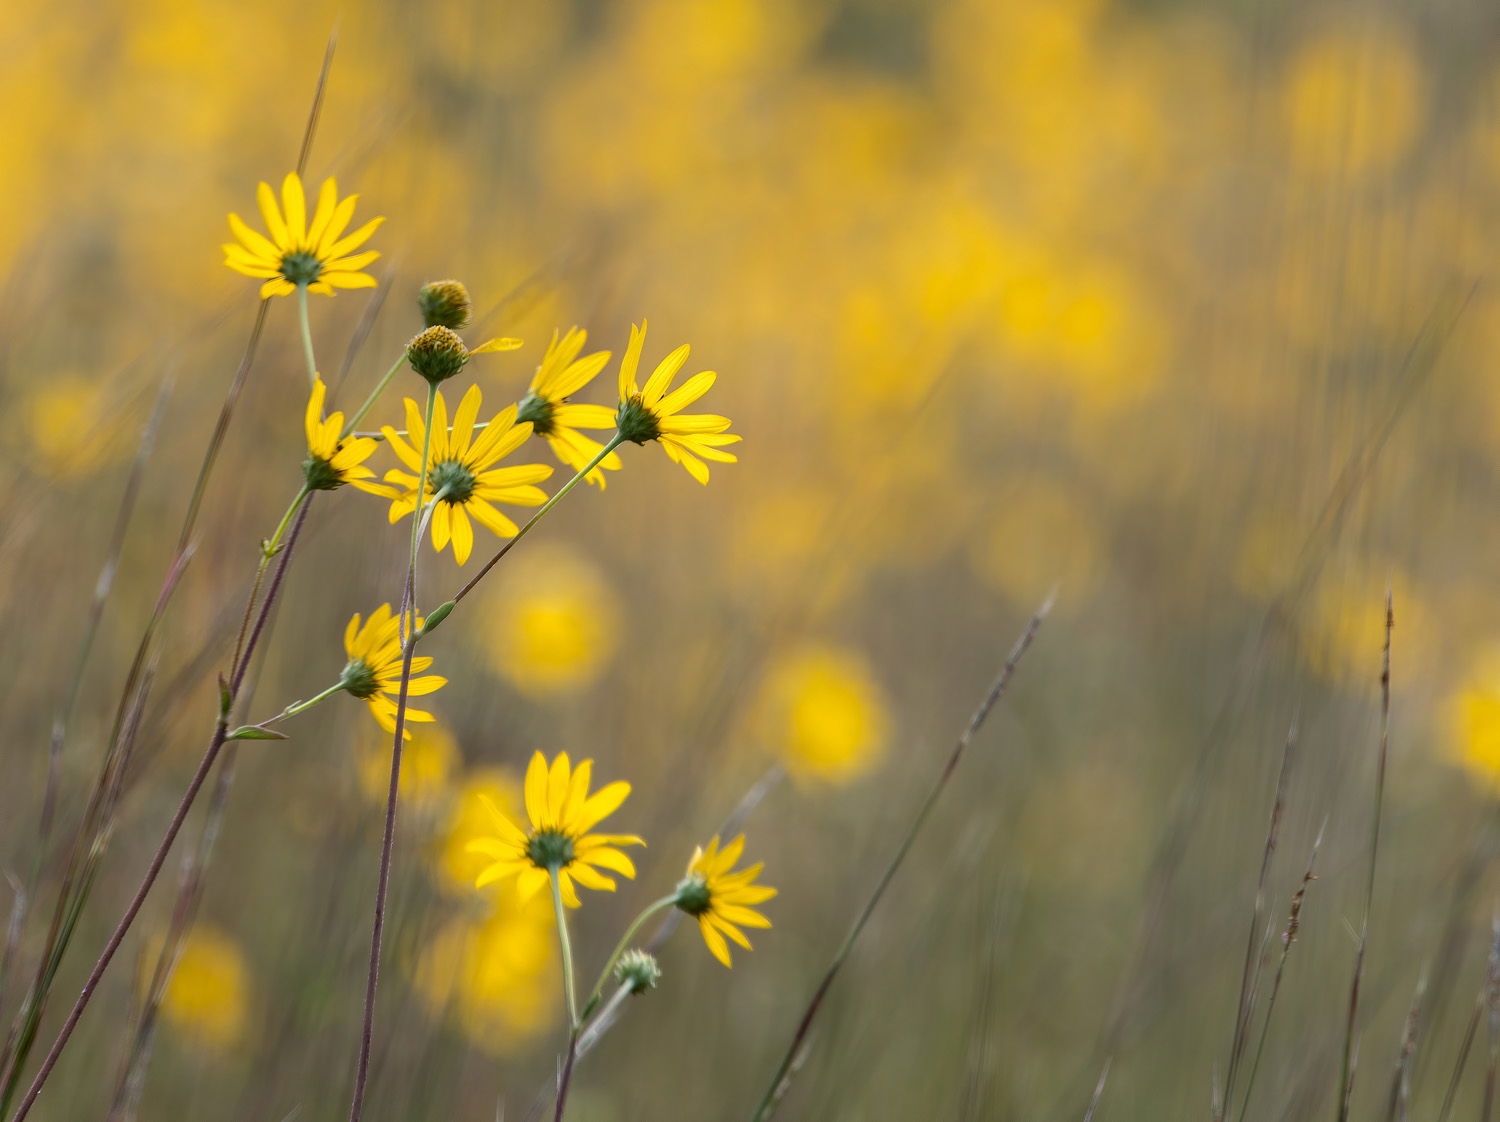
(445, 303)
(637, 971)
(437, 354)
(439, 614)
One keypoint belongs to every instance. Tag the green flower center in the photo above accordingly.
(636, 422)
(359, 679)
(693, 895)
(453, 481)
(301, 267)
(550, 850)
(320, 474)
(537, 410)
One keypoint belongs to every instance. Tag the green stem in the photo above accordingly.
(307, 343)
(409, 594)
(567, 951)
(614, 442)
(303, 706)
(379, 389)
(269, 549)
(622, 946)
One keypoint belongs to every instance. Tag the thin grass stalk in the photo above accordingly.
(1256, 940)
(1350, 1062)
(1288, 937)
(780, 1081)
(1462, 1059)
(1400, 1097)
(1088, 1115)
(1492, 1008)
(217, 742)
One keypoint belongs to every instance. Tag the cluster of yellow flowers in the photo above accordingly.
(450, 473)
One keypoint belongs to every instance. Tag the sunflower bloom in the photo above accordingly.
(461, 472)
(319, 256)
(561, 812)
(333, 461)
(719, 899)
(373, 673)
(650, 413)
(552, 416)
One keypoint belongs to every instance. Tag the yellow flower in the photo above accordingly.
(562, 812)
(825, 713)
(495, 974)
(1474, 718)
(316, 257)
(374, 667)
(428, 763)
(650, 413)
(720, 899)
(555, 621)
(561, 375)
(205, 997)
(461, 471)
(331, 462)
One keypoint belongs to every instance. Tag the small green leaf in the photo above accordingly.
(256, 732)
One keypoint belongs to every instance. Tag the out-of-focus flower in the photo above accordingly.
(373, 672)
(720, 899)
(1354, 100)
(70, 426)
(428, 761)
(497, 977)
(331, 461)
(555, 622)
(456, 866)
(558, 843)
(207, 996)
(462, 472)
(316, 256)
(546, 405)
(1037, 537)
(1474, 714)
(824, 713)
(650, 413)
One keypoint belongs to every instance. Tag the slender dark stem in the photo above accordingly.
(372, 981)
(221, 730)
(1351, 1052)
(781, 1079)
(567, 1076)
(1462, 1059)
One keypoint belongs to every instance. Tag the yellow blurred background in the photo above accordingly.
(1185, 310)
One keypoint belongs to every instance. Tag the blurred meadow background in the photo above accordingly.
(1186, 310)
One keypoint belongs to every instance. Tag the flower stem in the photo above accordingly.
(388, 837)
(418, 523)
(622, 946)
(302, 706)
(307, 343)
(569, 994)
(269, 549)
(614, 442)
(379, 389)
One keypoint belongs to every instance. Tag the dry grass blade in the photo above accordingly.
(1400, 1099)
(1288, 937)
(1350, 1062)
(780, 1081)
(1255, 942)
